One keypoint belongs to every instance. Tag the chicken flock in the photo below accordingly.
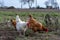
(31, 23)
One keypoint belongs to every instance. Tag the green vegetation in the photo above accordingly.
(23, 15)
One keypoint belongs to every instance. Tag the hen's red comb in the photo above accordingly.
(46, 30)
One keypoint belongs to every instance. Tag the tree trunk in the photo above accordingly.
(21, 5)
(30, 4)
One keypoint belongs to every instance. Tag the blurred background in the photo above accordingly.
(30, 4)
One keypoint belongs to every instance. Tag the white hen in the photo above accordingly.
(20, 25)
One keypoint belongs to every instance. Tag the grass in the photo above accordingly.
(23, 15)
(6, 15)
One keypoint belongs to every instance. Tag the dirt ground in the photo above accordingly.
(13, 35)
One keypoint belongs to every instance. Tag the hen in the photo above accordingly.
(35, 25)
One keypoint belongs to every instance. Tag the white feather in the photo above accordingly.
(20, 25)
